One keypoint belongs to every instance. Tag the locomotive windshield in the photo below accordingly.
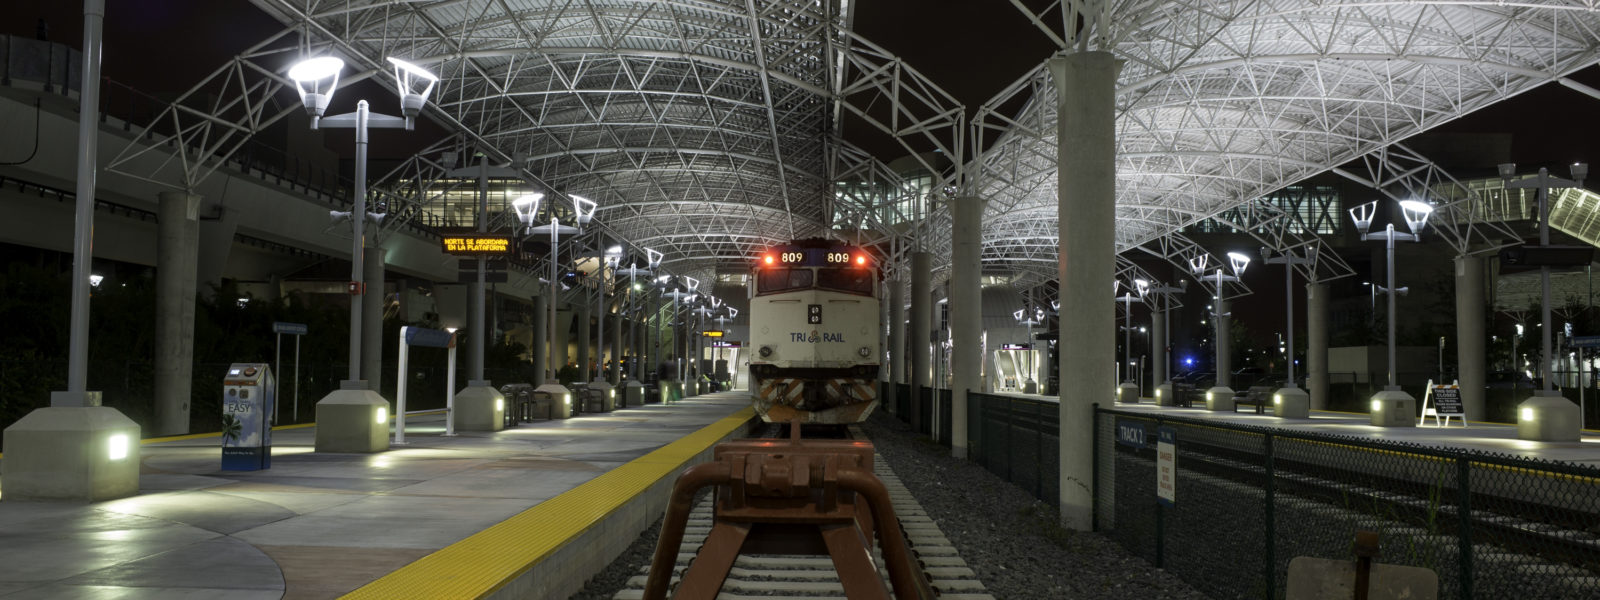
(849, 281)
(770, 281)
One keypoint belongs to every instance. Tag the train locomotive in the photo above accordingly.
(814, 326)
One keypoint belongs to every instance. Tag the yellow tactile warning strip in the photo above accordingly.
(489, 559)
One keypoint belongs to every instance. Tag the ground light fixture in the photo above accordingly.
(1392, 407)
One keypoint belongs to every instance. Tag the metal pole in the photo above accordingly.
(1546, 360)
(297, 379)
(450, 388)
(358, 218)
(600, 342)
(479, 303)
(400, 388)
(277, 369)
(1288, 301)
(555, 239)
(1389, 244)
(1127, 337)
(94, 14)
(1216, 326)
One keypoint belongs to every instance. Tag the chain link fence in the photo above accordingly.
(1250, 499)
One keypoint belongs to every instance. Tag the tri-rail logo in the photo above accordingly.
(814, 337)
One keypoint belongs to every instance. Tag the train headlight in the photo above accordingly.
(864, 352)
(765, 352)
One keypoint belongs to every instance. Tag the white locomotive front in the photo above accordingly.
(814, 322)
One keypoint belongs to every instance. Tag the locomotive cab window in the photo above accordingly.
(770, 281)
(849, 281)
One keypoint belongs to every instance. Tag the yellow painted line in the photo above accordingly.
(492, 558)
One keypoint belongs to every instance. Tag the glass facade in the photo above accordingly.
(1312, 209)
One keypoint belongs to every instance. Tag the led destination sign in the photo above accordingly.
(814, 257)
(477, 244)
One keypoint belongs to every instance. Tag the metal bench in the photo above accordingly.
(1258, 395)
(1183, 394)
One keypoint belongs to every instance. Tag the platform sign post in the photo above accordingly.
(433, 338)
(1167, 467)
(249, 395)
(295, 329)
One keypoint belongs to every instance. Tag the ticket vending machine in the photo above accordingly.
(249, 392)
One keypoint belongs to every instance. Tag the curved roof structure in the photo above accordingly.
(706, 129)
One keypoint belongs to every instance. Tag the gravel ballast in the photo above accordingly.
(1011, 540)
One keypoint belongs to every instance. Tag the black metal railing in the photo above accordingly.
(1250, 499)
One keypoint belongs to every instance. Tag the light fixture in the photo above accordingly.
(1362, 215)
(1416, 214)
(382, 415)
(1142, 285)
(117, 446)
(450, 329)
(407, 77)
(1507, 170)
(316, 79)
(527, 205)
(1239, 261)
(584, 208)
(1527, 414)
(1377, 405)
(94, 280)
(499, 404)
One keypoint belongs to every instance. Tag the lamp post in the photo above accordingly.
(1128, 391)
(1220, 396)
(1163, 392)
(633, 390)
(1030, 316)
(527, 208)
(678, 294)
(1289, 401)
(1392, 407)
(1546, 416)
(604, 389)
(348, 418)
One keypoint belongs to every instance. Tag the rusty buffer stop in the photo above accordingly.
(789, 496)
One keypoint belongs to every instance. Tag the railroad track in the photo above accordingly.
(797, 577)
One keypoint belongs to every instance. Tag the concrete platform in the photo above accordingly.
(1489, 437)
(320, 525)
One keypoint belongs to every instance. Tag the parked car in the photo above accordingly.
(1199, 379)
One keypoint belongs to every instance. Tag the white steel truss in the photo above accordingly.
(1220, 103)
(707, 129)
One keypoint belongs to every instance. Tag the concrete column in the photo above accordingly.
(897, 331)
(584, 374)
(1470, 356)
(1086, 192)
(1224, 342)
(1317, 344)
(966, 314)
(1158, 343)
(541, 340)
(215, 235)
(921, 376)
(562, 352)
(372, 318)
(177, 250)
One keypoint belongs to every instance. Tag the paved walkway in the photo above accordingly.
(316, 525)
(1489, 437)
